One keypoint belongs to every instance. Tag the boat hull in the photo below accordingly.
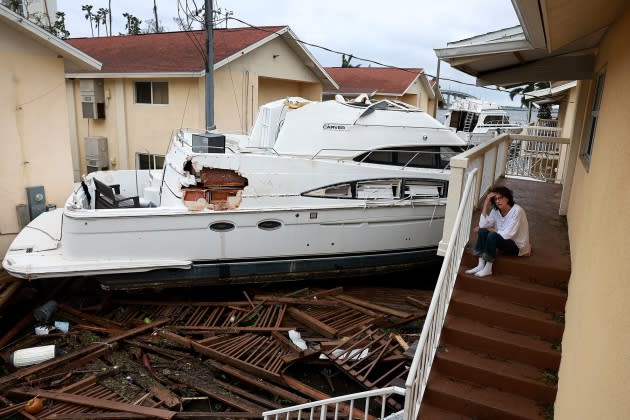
(299, 243)
(276, 270)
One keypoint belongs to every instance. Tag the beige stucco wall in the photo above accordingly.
(241, 86)
(272, 71)
(35, 147)
(595, 368)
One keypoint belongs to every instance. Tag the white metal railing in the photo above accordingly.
(432, 328)
(343, 407)
(534, 157)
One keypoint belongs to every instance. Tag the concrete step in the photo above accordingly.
(525, 268)
(478, 401)
(503, 374)
(506, 315)
(512, 289)
(478, 337)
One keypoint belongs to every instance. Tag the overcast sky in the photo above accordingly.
(401, 33)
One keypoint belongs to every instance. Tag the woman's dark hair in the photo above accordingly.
(505, 192)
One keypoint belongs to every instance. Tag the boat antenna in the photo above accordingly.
(209, 68)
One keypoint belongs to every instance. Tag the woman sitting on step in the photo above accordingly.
(502, 225)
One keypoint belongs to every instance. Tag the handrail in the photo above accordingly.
(337, 402)
(431, 331)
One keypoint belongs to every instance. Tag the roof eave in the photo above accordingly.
(291, 39)
(145, 75)
(62, 48)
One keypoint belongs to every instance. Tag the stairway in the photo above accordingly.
(499, 351)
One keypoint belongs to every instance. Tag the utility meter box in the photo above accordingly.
(36, 201)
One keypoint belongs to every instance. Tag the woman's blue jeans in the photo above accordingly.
(488, 243)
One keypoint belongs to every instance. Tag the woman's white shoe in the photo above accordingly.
(480, 266)
(486, 271)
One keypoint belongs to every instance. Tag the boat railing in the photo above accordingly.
(531, 157)
(420, 370)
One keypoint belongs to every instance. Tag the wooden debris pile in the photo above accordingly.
(209, 360)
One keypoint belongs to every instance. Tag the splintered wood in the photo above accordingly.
(230, 359)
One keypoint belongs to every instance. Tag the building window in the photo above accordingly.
(151, 92)
(587, 151)
(149, 161)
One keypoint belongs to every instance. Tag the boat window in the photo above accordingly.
(496, 119)
(423, 189)
(222, 226)
(333, 191)
(269, 225)
(421, 158)
(447, 152)
(382, 189)
(378, 189)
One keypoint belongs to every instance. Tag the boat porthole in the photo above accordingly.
(332, 244)
(269, 225)
(221, 226)
(297, 214)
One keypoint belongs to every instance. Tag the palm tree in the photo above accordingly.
(524, 89)
(544, 112)
(345, 61)
(89, 15)
(133, 24)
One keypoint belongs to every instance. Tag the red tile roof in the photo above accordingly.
(166, 51)
(370, 79)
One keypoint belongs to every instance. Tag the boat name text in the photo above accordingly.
(336, 127)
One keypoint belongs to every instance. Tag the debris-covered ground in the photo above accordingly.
(73, 351)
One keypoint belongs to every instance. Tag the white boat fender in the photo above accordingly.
(32, 355)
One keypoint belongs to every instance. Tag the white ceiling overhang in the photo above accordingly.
(523, 54)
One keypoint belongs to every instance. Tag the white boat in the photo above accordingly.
(319, 188)
(476, 121)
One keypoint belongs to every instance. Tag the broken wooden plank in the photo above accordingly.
(271, 375)
(312, 323)
(115, 415)
(417, 302)
(11, 409)
(96, 320)
(8, 289)
(257, 382)
(23, 373)
(294, 300)
(230, 330)
(374, 306)
(219, 394)
(250, 396)
(95, 402)
(401, 341)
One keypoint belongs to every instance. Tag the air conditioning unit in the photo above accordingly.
(96, 154)
(92, 93)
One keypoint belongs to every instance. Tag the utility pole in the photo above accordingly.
(436, 89)
(209, 69)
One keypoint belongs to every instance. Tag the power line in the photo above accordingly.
(367, 60)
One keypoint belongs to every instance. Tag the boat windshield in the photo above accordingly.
(436, 157)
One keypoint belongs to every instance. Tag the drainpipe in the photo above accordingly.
(209, 69)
